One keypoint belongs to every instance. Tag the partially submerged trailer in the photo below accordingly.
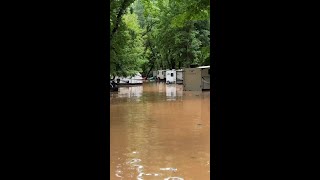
(161, 75)
(154, 74)
(133, 80)
(196, 79)
(205, 74)
(179, 73)
(171, 76)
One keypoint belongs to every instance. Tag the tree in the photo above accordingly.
(126, 53)
(158, 34)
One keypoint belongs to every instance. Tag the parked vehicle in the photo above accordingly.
(179, 76)
(196, 79)
(171, 76)
(161, 75)
(133, 80)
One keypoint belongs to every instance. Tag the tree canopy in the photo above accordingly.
(146, 35)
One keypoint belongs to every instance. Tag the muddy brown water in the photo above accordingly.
(158, 131)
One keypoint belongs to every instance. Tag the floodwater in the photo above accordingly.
(158, 131)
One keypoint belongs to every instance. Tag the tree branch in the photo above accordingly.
(119, 16)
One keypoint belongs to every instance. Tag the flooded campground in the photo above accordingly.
(159, 131)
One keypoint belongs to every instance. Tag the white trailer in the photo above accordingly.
(196, 79)
(171, 76)
(154, 74)
(161, 75)
(133, 80)
(137, 79)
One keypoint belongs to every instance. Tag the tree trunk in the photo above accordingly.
(119, 16)
(154, 60)
(173, 64)
(152, 65)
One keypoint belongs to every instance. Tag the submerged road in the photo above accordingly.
(158, 131)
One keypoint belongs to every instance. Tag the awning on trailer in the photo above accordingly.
(204, 67)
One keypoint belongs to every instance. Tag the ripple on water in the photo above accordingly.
(168, 169)
(139, 168)
(119, 173)
(150, 174)
(139, 177)
(132, 161)
(173, 178)
(141, 174)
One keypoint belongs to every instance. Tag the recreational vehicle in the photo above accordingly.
(196, 79)
(205, 75)
(179, 76)
(161, 75)
(154, 74)
(171, 76)
(133, 80)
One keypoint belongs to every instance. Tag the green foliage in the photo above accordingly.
(158, 34)
(183, 34)
(126, 53)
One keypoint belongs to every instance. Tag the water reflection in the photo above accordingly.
(134, 91)
(161, 87)
(153, 138)
(171, 91)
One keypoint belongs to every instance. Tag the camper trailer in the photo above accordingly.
(179, 76)
(161, 75)
(171, 76)
(196, 79)
(205, 75)
(134, 80)
(154, 74)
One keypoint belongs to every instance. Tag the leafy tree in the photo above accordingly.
(158, 34)
(126, 53)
